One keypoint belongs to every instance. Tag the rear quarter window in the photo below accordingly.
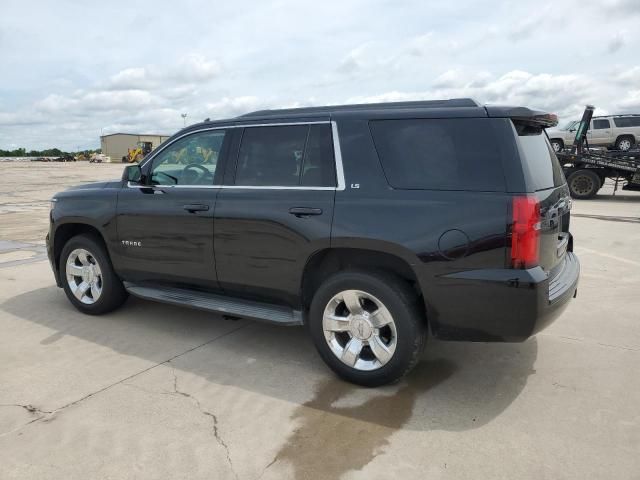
(439, 154)
(627, 122)
(539, 158)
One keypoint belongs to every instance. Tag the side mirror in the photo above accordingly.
(132, 173)
(572, 129)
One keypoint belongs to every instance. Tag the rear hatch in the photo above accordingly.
(548, 186)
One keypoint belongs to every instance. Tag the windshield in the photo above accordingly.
(569, 125)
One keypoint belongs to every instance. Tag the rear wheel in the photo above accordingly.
(88, 276)
(584, 184)
(624, 143)
(368, 327)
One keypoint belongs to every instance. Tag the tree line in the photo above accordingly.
(49, 152)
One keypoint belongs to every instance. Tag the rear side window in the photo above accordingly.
(318, 164)
(601, 124)
(439, 154)
(293, 155)
(627, 122)
(539, 158)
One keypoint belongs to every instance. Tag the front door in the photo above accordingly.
(277, 210)
(165, 225)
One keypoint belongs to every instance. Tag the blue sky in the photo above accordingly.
(72, 70)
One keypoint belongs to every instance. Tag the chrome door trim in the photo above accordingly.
(337, 154)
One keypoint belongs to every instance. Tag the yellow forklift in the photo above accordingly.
(136, 154)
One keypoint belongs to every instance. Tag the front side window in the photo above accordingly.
(192, 160)
(601, 124)
(287, 156)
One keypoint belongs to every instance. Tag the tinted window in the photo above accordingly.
(440, 154)
(627, 121)
(192, 160)
(600, 124)
(538, 156)
(318, 166)
(286, 156)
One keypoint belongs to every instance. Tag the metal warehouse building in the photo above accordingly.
(116, 145)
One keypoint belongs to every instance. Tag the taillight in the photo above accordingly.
(525, 233)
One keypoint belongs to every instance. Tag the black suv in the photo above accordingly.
(369, 224)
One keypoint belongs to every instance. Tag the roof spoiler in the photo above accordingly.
(524, 115)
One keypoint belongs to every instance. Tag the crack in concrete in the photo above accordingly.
(586, 341)
(47, 415)
(264, 470)
(28, 407)
(42, 414)
(214, 418)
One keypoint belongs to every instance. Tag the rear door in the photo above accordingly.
(275, 210)
(600, 132)
(545, 177)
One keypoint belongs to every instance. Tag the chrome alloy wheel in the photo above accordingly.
(84, 276)
(624, 144)
(359, 330)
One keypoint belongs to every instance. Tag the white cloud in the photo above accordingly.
(565, 95)
(616, 42)
(215, 60)
(130, 78)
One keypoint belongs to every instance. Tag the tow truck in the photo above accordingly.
(587, 168)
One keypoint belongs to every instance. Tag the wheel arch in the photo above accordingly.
(326, 262)
(65, 231)
(625, 135)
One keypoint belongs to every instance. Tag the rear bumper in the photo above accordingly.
(502, 305)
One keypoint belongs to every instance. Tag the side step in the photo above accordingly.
(221, 304)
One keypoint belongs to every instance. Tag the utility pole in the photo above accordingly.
(184, 118)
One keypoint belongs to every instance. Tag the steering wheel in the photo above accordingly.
(194, 173)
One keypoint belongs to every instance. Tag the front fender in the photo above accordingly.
(79, 210)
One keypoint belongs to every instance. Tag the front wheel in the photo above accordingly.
(89, 280)
(368, 327)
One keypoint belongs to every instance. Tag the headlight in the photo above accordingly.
(52, 203)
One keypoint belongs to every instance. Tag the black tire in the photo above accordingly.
(557, 145)
(584, 184)
(625, 143)
(408, 318)
(112, 293)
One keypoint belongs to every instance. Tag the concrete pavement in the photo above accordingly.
(153, 391)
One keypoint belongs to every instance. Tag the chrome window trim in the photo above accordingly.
(337, 155)
(237, 187)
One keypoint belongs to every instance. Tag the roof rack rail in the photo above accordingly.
(618, 115)
(450, 103)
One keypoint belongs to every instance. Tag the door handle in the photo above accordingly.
(196, 207)
(305, 211)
